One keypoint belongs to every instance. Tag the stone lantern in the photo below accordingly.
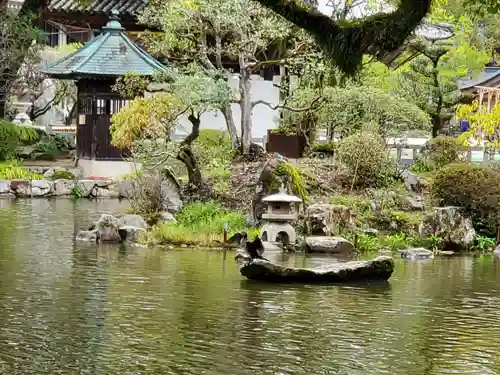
(282, 210)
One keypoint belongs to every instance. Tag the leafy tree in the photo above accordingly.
(346, 110)
(481, 122)
(153, 118)
(32, 85)
(17, 35)
(240, 30)
(430, 79)
(345, 42)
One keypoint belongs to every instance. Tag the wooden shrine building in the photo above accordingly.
(485, 88)
(95, 68)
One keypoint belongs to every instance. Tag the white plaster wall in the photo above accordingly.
(106, 168)
(263, 117)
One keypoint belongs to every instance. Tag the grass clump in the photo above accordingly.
(200, 224)
(13, 170)
(63, 175)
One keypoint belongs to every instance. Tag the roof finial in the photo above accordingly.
(115, 15)
(114, 21)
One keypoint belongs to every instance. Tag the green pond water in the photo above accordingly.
(72, 309)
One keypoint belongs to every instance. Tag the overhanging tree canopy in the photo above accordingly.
(379, 35)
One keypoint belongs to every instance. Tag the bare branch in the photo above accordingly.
(315, 105)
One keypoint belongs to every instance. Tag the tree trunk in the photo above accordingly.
(246, 110)
(231, 126)
(186, 155)
(436, 125)
(3, 99)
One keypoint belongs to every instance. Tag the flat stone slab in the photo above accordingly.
(380, 268)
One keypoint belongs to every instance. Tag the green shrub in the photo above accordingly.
(46, 149)
(327, 148)
(437, 153)
(14, 171)
(200, 224)
(367, 160)
(475, 188)
(212, 148)
(12, 136)
(62, 175)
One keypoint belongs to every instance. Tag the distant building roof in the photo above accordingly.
(128, 6)
(488, 74)
(111, 54)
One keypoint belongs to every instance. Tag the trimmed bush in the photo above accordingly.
(475, 188)
(437, 153)
(367, 160)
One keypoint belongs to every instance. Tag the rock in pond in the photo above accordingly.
(87, 236)
(331, 245)
(131, 234)
(325, 219)
(380, 268)
(416, 253)
(107, 229)
(451, 225)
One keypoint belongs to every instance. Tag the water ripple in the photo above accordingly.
(110, 310)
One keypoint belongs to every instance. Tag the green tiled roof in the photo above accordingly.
(111, 54)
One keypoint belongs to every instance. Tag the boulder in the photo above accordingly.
(132, 220)
(416, 253)
(48, 173)
(331, 245)
(107, 229)
(449, 224)
(5, 187)
(41, 188)
(412, 182)
(327, 219)
(131, 234)
(21, 188)
(166, 217)
(412, 203)
(171, 194)
(380, 268)
(63, 187)
(266, 185)
(104, 192)
(87, 236)
(85, 187)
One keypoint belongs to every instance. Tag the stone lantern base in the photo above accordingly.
(278, 232)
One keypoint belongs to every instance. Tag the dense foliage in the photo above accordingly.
(144, 118)
(11, 137)
(482, 123)
(474, 187)
(437, 153)
(367, 160)
(347, 110)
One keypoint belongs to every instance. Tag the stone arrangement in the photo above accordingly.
(64, 188)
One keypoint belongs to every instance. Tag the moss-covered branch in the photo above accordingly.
(379, 35)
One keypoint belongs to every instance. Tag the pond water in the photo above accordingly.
(72, 309)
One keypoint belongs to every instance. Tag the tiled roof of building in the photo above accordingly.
(123, 6)
(482, 79)
(111, 54)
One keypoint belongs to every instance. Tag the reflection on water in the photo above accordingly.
(72, 309)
